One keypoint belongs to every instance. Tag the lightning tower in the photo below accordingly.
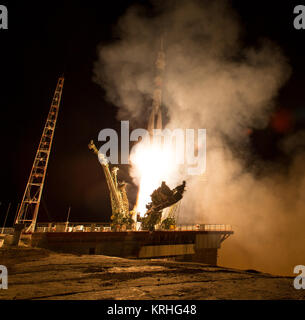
(29, 207)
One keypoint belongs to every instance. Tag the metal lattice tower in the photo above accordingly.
(29, 207)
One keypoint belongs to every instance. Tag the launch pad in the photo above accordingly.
(186, 243)
(149, 231)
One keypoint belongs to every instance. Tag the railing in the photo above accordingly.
(204, 227)
(72, 227)
(105, 227)
(6, 230)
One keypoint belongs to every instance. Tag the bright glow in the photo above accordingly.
(152, 164)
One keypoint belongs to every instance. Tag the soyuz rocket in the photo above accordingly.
(155, 119)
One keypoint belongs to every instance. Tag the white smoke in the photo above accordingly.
(213, 81)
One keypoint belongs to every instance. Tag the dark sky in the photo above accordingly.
(47, 38)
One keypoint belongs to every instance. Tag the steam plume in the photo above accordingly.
(213, 81)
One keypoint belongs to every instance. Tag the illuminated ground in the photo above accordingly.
(41, 274)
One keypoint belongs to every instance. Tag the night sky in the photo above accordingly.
(45, 39)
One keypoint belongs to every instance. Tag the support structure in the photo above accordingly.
(29, 207)
(119, 201)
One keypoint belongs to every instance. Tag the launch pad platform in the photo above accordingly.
(186, 243)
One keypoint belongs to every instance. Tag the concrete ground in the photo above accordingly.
(41, 274)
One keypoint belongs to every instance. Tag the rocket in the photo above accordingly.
(155, 119)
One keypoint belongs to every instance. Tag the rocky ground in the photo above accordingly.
(42, 274)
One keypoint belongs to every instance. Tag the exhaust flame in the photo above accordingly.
(152, 163)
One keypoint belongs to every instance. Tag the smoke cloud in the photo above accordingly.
(213, 81)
